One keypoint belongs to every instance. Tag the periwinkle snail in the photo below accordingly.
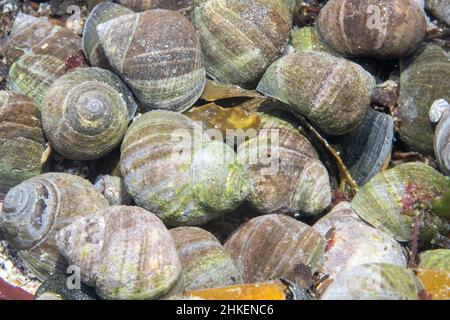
(160, 61)
(35, 210)
(86, 113)
(183, 6)
(113, 189)
(381, 29)
(123, 252)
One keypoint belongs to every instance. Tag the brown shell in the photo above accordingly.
(270, 246)
(384, 29)
(183, 6)
(124, 252)
(35, 210)
(206, 264)
(38, 35)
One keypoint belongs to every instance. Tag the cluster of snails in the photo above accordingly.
(304, 198)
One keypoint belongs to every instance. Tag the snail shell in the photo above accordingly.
(172, 168)
(421, 83)
(335, 96)
(33, 74)
(35, 210)
(55, 288)
(368, 149)
(440, 9)
(158, 54)
(374, 281)
(205, 262)
(438, 259)
(229, 56)
(383, 29)
(183, 6)
(295, 180)
(92, 48)
(270, 246)
(124, 252)
(384, 201)
(113, 189)
(442, 143)
(21, 140)
(85, 114)
(307, 39)
(38, 35)
(351, 242)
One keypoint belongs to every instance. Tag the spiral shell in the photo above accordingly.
(293, 179)
(21, 140)
(384, 202)
(442, 143)
(124, 252)
(33, 74)
(332, 92)
(205, 262)
(368, 149)
(92, 47)
(158, 54)
(385, 29)
(270, 246)
(421, 83)
(113, 189)
(351, 242)
(35, 210)
(440, 9)
(438, 259)
(85, 114)
(172, 168)
(229, 56)
(39, 36)
(183, 6)
(375, 281)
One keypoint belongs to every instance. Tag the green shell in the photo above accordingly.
(271, 246)
(383, 29)
(335, 96)
(172, 168)
(85, 114)
(92, 48)
(375, 281)
(158, 54)
(22, 141)
(39, 36)
(307, 39)
(124, 252)
(292, 179)
(435, 259)
(35, 210)
(205, 262)
(383, 201)
(421, 83)
(56, 286)
(33, 74)
(231, 57)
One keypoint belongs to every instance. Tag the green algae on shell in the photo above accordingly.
(229, 56)
(352, 242)
(22, 142)
(158, 54)
(35, 210)
(286, 175)
(271, 246)
(438, 259)
(206, 264)
(307, 39)
(387, 199)
(332, 92)
(421, 83)
(92, 47)
(85, 114)
(375, 281)
(124, 252)
(39, 36)
(33, 74)
(172, 168)
(383, 29)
